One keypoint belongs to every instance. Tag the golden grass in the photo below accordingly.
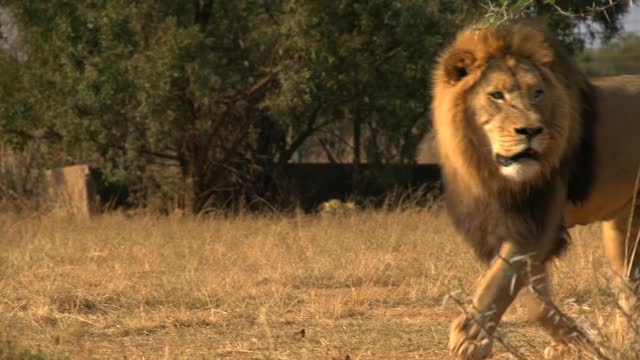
(357, 285)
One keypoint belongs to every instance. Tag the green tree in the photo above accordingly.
(124, 84)
(366, 64)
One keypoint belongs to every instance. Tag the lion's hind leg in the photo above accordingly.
(621, 237)
(566, 333)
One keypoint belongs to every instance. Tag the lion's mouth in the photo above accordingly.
(506, 161)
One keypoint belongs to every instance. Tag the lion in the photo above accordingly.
(529, 147)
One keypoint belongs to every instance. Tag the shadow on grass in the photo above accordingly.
(10, 350)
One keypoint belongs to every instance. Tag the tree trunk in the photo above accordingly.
(186, 198)
(357, 127)
(189, 194)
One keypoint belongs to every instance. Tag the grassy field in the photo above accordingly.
(359, 285)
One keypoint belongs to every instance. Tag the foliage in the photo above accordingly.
(622, 56)
(123, 85)
(575, 22)
(366, 63)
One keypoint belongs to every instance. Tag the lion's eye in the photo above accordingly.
(538, 94)
(497, 95)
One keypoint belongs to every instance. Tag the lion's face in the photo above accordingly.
(505, 110)
(508, 104)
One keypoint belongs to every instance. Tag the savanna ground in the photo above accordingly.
(365, 284)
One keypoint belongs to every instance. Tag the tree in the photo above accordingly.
(123, 84)
(363, 63)
(226, 90)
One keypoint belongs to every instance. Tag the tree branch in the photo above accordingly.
(310, 129)
(388, 56)
(161, 155)
(261, 84)
(327, 151)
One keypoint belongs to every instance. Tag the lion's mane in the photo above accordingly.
(485, 207)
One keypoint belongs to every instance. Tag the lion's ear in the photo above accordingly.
(457, 64)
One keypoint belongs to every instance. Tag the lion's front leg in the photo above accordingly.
(471, 334)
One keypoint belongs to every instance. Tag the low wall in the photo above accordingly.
(312, 184)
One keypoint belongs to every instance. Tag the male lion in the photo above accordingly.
(530, 147)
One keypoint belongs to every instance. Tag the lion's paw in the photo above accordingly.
(468, 341)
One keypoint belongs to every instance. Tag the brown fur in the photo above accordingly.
(584, 171)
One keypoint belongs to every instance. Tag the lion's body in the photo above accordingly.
(529, 146)
(617, 150)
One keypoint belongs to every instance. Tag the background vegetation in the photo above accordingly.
(212, 98)
(622, 56)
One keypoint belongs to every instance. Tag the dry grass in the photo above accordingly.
(357, 285)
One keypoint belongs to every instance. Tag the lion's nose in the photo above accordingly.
(529, 132)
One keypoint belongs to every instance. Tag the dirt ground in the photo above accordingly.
(350, 285)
